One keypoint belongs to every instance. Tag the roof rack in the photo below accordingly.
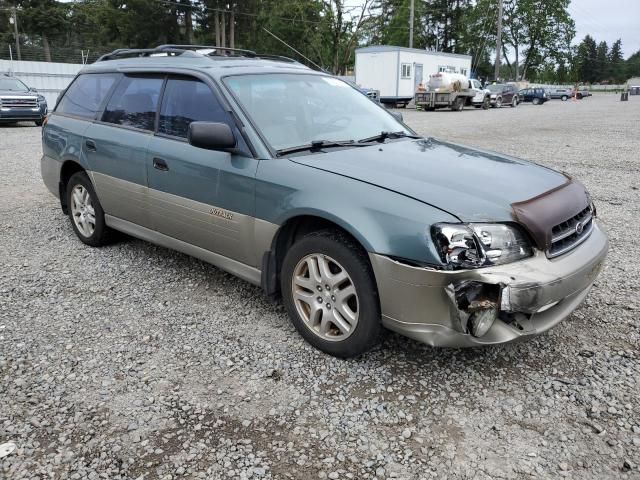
(191, 50)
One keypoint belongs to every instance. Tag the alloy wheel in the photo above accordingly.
(83, 213)
(325, 297)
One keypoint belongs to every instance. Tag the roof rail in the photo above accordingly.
(249, 53)
(189, 50)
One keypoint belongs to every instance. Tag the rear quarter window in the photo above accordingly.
(86, 94)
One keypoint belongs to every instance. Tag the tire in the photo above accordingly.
(564, 98)
(81, 201)
(579, 96)
(498, 103)
(514, 102)
(39, 123)
(458, 105)
(486, 103)
(536, 101)
(319, 315)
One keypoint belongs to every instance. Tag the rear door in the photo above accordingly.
(203, 197)
(116, 147)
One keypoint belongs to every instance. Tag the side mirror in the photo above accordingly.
(398, 116)
(211, 136)
(31, 89)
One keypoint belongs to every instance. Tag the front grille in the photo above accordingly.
(28, 102)
(571, 233)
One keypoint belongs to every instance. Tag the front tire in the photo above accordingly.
(85, 211)
(486, 103)
(536, 101)
(514, 102)
(330, 294)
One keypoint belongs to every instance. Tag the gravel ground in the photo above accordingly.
(135, 362)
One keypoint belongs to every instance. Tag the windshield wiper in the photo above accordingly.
(382, 136)
(318, 145)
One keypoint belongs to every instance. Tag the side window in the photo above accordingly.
(85, 95)
(188, 100)
(406, 70)
(134, 102)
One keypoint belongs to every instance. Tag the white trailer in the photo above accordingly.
(396, 71)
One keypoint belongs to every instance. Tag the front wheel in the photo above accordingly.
(486, 103)
(536, 101)
(85, 211)
(514, 102)
(330, 294)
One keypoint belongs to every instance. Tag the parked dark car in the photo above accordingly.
(537, 96)
(19, 103)
(563, 94)
(502, 94)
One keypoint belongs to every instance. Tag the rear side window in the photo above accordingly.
(134, 102)
(85, 95)
(187, 100)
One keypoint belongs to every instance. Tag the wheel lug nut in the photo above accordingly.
(333, 298)
(327, 287)
(328, 306)
(319, 299)
(319, 288)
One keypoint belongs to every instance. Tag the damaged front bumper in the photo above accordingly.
(490, 305)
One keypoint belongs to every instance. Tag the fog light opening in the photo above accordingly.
(477, 305)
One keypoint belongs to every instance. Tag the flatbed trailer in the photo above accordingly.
(456, 101)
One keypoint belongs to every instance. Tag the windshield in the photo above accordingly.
(495, 88)
(12, 84)
(297, 109)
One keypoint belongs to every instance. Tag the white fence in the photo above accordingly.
(48, 78)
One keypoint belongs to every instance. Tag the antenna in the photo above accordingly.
(286, 44)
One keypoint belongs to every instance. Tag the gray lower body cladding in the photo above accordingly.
(529, 297)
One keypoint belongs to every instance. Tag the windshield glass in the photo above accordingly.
(495, 88)
(297, 109)
(12, 84)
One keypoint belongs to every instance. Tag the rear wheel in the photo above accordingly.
(514, 102)
(330, 294)
(85, 211)
(564, 98)
(458, 104)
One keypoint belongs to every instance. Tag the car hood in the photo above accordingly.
(473, 185)
(15, 93)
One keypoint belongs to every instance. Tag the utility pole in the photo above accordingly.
(411, 24)
(499, 40)
(15, 30)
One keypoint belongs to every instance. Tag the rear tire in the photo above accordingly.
(514, 102)
(458, 105)
(564, 98)
(85, 212)
(330, 294)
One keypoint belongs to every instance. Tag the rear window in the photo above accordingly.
(85, 95)
(134, 102)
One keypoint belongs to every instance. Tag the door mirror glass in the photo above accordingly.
(211, 135)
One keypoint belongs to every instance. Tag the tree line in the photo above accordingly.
(537, 34)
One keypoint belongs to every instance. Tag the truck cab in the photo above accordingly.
(482, 95)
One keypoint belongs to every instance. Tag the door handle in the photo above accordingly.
(91, 145)
(160, 164)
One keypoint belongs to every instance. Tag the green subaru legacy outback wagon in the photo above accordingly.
(295, 181)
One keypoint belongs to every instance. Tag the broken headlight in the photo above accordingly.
(477, 245)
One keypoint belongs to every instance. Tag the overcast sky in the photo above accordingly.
(608, 20)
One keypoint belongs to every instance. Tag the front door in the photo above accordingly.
(417, 75)
(203, 197)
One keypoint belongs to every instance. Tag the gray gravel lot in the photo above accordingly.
(135, 362)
